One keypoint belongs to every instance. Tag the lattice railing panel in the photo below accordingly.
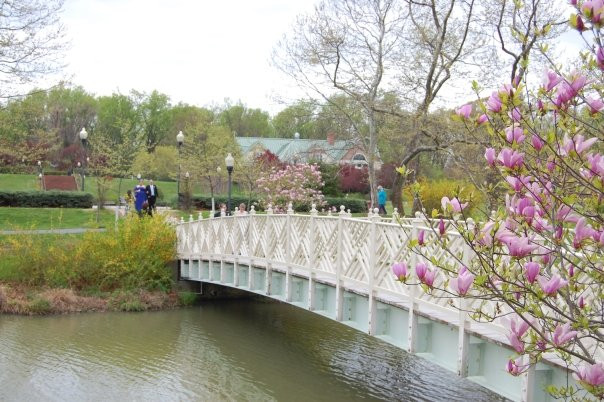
(299, 234)
(325, 238)
(356, 249)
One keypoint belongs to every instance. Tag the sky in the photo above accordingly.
(199, 52)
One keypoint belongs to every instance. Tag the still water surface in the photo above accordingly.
(224, 350)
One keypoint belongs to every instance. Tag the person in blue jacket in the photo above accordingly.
(140, 198)
(381, 200)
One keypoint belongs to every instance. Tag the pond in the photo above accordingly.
(220, 350)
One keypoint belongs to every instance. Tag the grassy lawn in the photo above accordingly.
(167, 189)
(52, 218)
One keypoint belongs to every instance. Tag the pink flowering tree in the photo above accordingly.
(299, 184)
(537, 264)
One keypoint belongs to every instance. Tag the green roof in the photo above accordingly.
(301, 150)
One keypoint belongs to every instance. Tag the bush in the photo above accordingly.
(353, 180)
(205, 201)
(134, 257)
(354, 204)
(432, 191)
(48, 199)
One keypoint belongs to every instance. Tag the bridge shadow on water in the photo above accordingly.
(299, 355)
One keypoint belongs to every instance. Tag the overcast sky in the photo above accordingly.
(197, 52)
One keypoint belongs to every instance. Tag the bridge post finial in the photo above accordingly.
(342, 210)
(252, 210)
(269, 210)
(190, 217)
(349, 213)
(313, 210)
(418, 215)
(395, 215)
(376, 215)
(182, 220)
(200, 216)
(290, 208)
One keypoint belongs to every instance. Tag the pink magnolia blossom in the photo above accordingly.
(562, 334)
(441, 227)
(516, 325)
(494, 103)
(582, 232)
(515, 114)
(550, 287)
(400, 271)
(420, 270)
(578, 144)
(596, 164)
(517, 328)
(420, 237)
(600, 57)
(581, 303)
(485, 238)
(514, 134)
(454, 203)
(537, 142)
(591, 374)
(515, 183)
(595, 105)
(465, 111)
(519, 247)
(571, 270)
(551, 80)
(566, 214)
(531, 270)
(593, 9)
(510, 158)
(515, 367)
(489, 155)
(483, 118)
(429, 277)
(462, 283)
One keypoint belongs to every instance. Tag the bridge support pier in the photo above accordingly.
(268, 279)
(413, 324)
(311, 292)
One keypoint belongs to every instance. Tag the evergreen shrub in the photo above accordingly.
(46, 199)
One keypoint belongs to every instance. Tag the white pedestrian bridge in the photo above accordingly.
(340, 267)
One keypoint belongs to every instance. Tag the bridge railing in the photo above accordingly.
(357, 252)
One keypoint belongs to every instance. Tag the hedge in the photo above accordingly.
(354, 204)
(205, 202)
(47, 199)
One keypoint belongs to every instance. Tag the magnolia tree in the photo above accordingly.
(297, 184)
(537, 265)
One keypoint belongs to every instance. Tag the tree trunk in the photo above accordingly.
(396, 194)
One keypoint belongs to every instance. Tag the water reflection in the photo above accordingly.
(237, 350)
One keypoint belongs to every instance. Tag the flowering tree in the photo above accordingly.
(537, 265)
(299, 184)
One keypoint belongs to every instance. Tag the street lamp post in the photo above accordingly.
(229, 161)
(84, 139)
(180, 139)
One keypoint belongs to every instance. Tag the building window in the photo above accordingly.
(359, 161)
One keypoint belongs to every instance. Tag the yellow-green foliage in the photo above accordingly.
(135, 256)
(432, 191)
